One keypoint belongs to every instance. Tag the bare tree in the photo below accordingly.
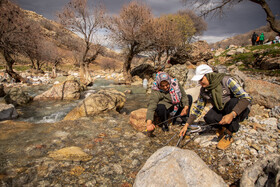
(131, 30)
(50, 53)
(81, 19)
(109, 64)
(217, 7)
(35, 48)
(15, 33)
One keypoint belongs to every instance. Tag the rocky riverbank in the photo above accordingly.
(105, 150)
(111, 152)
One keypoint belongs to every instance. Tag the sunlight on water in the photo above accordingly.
(53, 118)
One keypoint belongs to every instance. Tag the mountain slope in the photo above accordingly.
(245, 39)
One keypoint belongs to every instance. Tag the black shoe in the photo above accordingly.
(150, 134)
(165, 128)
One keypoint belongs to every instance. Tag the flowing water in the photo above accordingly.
(118, 151)
(54, 111)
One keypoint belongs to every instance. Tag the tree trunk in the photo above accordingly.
(32, 63)
(82, 72)
(9, 67)
(127, 67)
(88, 77)
(54, 74)
(38, 65)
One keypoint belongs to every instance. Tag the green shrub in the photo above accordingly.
(21, 67)
(246, 58)
(252, 48)
(2, 67)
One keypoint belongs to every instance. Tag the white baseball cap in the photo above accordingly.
(200, 71)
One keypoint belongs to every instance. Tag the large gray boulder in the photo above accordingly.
(265, 172)
(102, 101)
(179, 72)
(171, 166)
(7, 112)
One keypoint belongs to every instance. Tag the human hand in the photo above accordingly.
(150, 125)
(227, 119)
(184, 111)
(184, 130)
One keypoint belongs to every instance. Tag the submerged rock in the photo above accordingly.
(70, 154)
(170, 165)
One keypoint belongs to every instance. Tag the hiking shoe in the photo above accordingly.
(165, 128)
(150, 134)
(220, 132)
(225, 142)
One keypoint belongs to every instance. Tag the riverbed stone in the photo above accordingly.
(102, 101)
(7, 112)
(206, 140)
(17, 96)
(68, 90)
(171, 165)
(70, 154)
(138, 119)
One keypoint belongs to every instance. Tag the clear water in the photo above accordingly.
(55, 110)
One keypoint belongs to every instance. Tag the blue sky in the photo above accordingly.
(241, 18)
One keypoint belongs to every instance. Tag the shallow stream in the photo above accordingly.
(118, 151)
(54, 111)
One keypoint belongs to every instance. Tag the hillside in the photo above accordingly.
(245, 39)
(68, 45)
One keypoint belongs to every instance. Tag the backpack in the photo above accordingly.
(258, 38)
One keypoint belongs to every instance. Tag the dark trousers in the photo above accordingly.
(163, 113)
(214, 116)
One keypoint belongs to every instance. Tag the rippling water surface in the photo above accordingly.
(54, 111)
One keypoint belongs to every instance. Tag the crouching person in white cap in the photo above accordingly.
(230, 103)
